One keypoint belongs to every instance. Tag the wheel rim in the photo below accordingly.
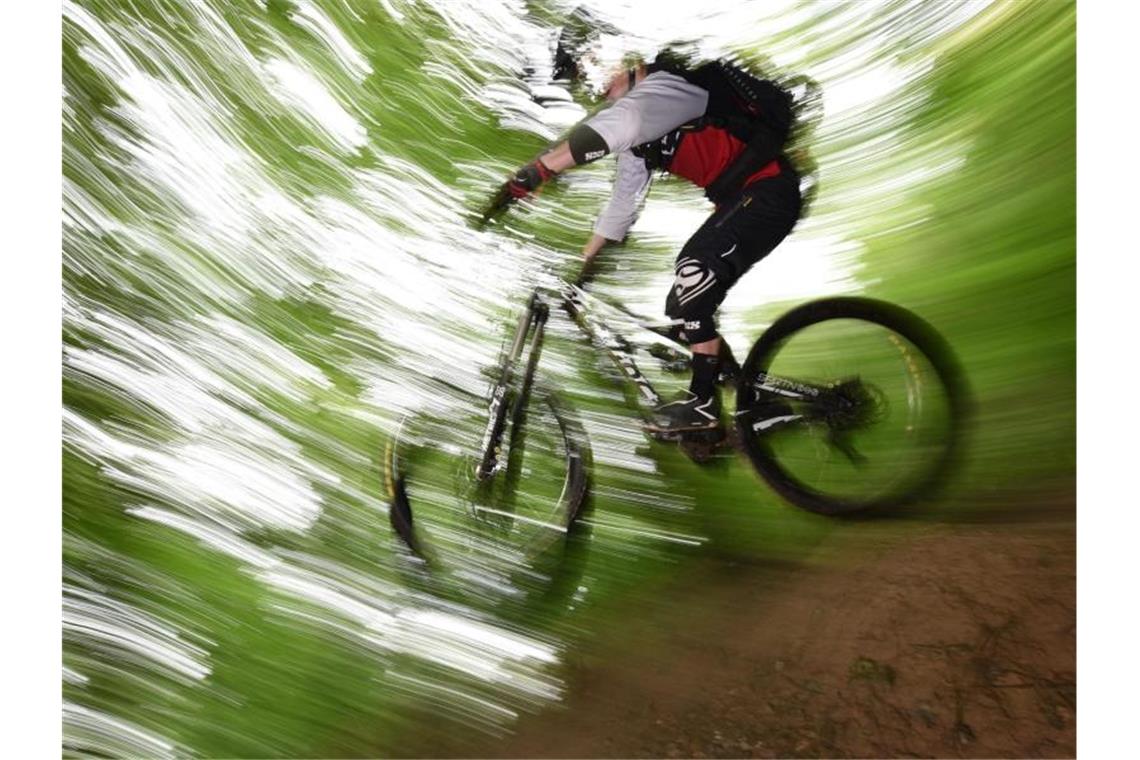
(490, 530)
(891, 440)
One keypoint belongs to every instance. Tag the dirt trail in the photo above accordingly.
(940, 641)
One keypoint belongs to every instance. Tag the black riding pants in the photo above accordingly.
(739, 233)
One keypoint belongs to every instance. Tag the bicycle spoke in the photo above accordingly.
(880, 425)
(497, 526)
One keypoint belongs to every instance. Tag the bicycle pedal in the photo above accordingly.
(700, 452)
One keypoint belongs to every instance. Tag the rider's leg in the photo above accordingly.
(693, 299)
(699, 410)
(707, 347)
(705, 366)
(730, 241)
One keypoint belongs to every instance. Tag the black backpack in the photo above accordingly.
(758, 112)
(744, 102)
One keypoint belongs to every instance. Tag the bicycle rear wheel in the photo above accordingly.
(495, 530)
(851, 404)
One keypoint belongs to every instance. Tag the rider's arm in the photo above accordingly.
(593, 245)
(631, 185)
(558, 159)
(550, 164)
(659, 104)
(656, 106)
(630, 189)
(583, 146)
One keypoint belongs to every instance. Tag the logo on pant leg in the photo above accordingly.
(693, 278)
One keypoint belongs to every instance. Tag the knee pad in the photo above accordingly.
(693, 299)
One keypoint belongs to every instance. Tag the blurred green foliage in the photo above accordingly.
(984, 249)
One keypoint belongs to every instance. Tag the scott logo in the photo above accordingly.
(694, 325)
(592, 155)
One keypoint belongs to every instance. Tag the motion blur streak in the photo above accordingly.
(97, 733)
(268, 263)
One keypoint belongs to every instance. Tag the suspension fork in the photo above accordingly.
(519, 407)
(509, 455)
(531, 322)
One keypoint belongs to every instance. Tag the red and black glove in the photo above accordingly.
(528, 179)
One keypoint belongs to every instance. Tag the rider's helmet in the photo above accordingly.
(580, 57)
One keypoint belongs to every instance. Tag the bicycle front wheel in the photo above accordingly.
(851, 404)
(494, 530)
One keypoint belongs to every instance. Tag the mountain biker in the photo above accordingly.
(692, 122)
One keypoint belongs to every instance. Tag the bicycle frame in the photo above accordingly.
(505, 404)
(619, 349)
(832, 409)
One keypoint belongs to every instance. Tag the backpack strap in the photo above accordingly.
(764, 147)
(741, 128)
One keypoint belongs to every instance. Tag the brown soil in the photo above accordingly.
(948, 641)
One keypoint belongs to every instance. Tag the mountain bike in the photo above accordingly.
(842, 405)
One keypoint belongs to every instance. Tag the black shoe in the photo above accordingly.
(690, 413)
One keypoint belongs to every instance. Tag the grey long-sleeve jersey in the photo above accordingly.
(656, 106)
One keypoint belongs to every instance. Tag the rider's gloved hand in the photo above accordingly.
(528, 179)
